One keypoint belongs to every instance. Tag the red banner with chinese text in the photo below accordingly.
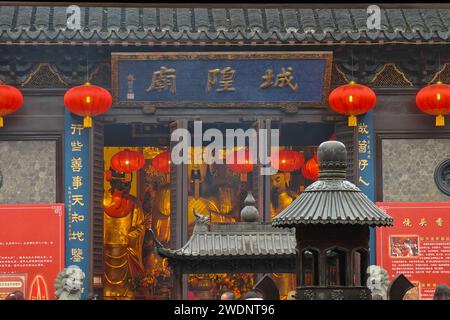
(418, 245)
(32, 244)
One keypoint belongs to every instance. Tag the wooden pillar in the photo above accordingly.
(178, 210)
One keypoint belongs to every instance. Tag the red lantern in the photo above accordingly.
(311, 169)
(87, 101)
(127, 161)
(161, 162)
(352, 99)
(435, 100)
(11, 100)
(241, 161)
(288, 160)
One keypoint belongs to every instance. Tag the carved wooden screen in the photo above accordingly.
(97, 226)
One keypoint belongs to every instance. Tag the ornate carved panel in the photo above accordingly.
(338, 77)
(44, 76)
(101, 75)
(443, 75)
(378, 66)
(390, 76)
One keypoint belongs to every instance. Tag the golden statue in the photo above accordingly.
(123, 237)
(161, 214)
(280, 199)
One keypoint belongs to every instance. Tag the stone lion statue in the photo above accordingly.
(378, 282)
(69, 283)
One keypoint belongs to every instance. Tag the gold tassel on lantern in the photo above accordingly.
(87, 122)
(440, 120)
(1, 122)
(352, 121)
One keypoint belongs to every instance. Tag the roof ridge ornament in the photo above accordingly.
(332, 156)
(201, 222)
(250, 213)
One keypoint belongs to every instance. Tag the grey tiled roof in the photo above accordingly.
(238, 239)
(332, 202)
(197, 25)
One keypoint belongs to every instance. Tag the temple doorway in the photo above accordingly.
(216, 191)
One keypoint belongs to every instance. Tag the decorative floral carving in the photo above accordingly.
(337, 294)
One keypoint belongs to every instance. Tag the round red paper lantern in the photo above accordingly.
(311, 169)
(352, 99)
(11, 100)
(161, 162)
(127, 161)
(240, 161)
(435, 100)
(88, 101)
(288, 160)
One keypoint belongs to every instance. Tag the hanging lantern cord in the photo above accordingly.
(87, 121)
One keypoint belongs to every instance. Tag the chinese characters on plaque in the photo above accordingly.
(217, 79)
(77, 193)
(222, 79)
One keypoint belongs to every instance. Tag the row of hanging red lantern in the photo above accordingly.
(351, 99)
(355, 99)
(241, 161)
(86, 100)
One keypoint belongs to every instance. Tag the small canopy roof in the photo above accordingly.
(247, 246)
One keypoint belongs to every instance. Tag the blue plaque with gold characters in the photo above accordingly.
(217, 79)
(77, 195)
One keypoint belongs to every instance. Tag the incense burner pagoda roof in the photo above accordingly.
(120, 25)
(332, 199)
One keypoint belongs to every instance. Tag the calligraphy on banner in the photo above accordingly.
(233, 79)
(77, 194)
(365, 155)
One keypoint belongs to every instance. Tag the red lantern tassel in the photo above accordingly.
(1, 122)
(440, 120)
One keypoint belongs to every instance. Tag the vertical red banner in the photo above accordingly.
(31, 248)
(418, 245)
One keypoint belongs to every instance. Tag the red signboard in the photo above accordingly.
(418, 245)
(31, 246)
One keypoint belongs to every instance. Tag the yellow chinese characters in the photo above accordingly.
(78, 235)
(284, 78)
(163, 79)
(76, 254)
(363, 128)
(76, 129)
(76, 217)
(76, 145)
(76, 164)
(407, 222)
(227, 76)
